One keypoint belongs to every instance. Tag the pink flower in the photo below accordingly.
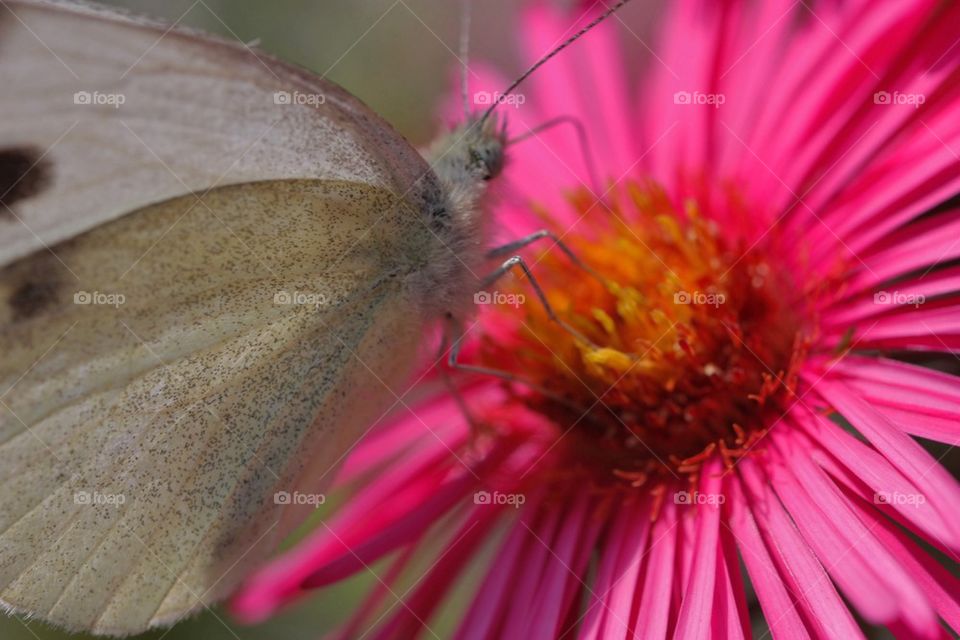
(774, 230)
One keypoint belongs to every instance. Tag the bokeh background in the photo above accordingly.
(398, 56)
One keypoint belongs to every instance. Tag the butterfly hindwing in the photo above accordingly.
(171, 371)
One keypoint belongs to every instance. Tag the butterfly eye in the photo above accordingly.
(477, 160)
(487, 161)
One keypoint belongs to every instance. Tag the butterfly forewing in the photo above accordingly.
(102, 114)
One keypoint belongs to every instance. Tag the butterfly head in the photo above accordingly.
(473, 152)
(485, 142)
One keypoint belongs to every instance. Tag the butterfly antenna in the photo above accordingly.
(542, 61)
(465, 55)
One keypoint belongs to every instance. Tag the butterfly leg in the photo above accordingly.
(526, 241)
(454, 332)
(454, 335)
(514, 261)
(450, 341)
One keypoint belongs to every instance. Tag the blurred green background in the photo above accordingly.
(395, 55)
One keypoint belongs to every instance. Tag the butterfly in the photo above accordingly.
(214, 267)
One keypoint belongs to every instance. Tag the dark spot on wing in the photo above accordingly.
(23, 174)
(31, 298)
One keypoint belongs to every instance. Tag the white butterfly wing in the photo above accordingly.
(150, 414)
(196, 112)
(156, 388)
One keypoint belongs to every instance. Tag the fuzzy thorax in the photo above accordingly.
(464, 160)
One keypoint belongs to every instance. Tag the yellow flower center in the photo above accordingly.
(687, 343)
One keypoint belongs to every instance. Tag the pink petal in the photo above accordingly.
(941, 588)
(685, 549)
(854, 556)
(903, 49)
(876, 472)
(912, 176)
(623, 592)
(731, 618)
(486, 611)
(537, 559)
(545, 616)
(416, 608)
(918, 400)
(656, 594)
(778, 605)
(919, 245)
(864, 587)
(695, 610)
(901, 296)
(797, 564)
(935, 483)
